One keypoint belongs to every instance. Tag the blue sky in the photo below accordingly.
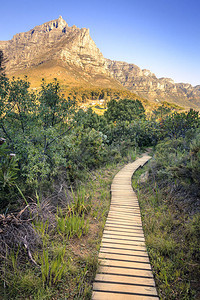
(160, 35)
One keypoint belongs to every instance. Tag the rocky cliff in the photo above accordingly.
(54, 49)
(147, 85)
(53, 40)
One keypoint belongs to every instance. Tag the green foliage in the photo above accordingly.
(72, 225)
(1, 59)
(169, 203)
(178, 160)
(89, 119)
(81, 202)
(8, 175)
(124, 110)
(83, 94)
(53, 107)
(50, 137)
(8, 169)
(65, 267)
(53, 268)
(57, 145)
(161, 111)
(33, 124)
(177, 124)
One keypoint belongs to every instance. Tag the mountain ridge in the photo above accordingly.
(146, 84)
(71, 54)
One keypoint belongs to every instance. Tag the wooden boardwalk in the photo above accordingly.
(125, 271)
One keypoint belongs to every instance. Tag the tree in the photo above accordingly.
(1, 61)
(177, 124)
(162, 111)
(125, 110)
(33, 124)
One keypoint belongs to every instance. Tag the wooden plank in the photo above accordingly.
(123, 221)
(125, 271)
(116, 216)
(96, 295)
(125, 230)
(124, 206)
(127, 223)
(126, 212)
(126, 184)
(123, 257)
(125, 279)
(125, 288)
(117, 231)
(124, 215)
(123, 240)
(119, 208)
(124, 251)
(122, 202)
(116, 224)
(119, 182)
(123, 193)
(120, 223)
(123, 199)
(125, 264)
(124, 237)
(121, 218)
(126, 246)
(113, 214)
(114, 207)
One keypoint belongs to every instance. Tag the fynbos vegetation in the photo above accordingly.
(170, 201)
(56, 164)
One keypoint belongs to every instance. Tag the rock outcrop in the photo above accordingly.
(53, 40)
(147, 85)
(54, 49)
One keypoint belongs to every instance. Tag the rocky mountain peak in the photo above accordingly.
(55, 45)
(53, 40)
(147, 85)
(58, 24)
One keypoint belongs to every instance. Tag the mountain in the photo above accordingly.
(54, 49)
(147, 85)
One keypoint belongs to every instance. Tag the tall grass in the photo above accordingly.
(171, 223)
(72, 225)
(67, 257)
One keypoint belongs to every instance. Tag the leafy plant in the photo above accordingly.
(125, 110)
(52, 269)
(72, 225)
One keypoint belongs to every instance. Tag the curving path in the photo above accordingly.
(125, 270)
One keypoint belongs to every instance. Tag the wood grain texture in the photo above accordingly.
(125, 270)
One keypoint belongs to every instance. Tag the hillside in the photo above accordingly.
(54, 49)
(147, 85)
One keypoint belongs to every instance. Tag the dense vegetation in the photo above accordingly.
(170, 201)
(56, 163)
(81, 94)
